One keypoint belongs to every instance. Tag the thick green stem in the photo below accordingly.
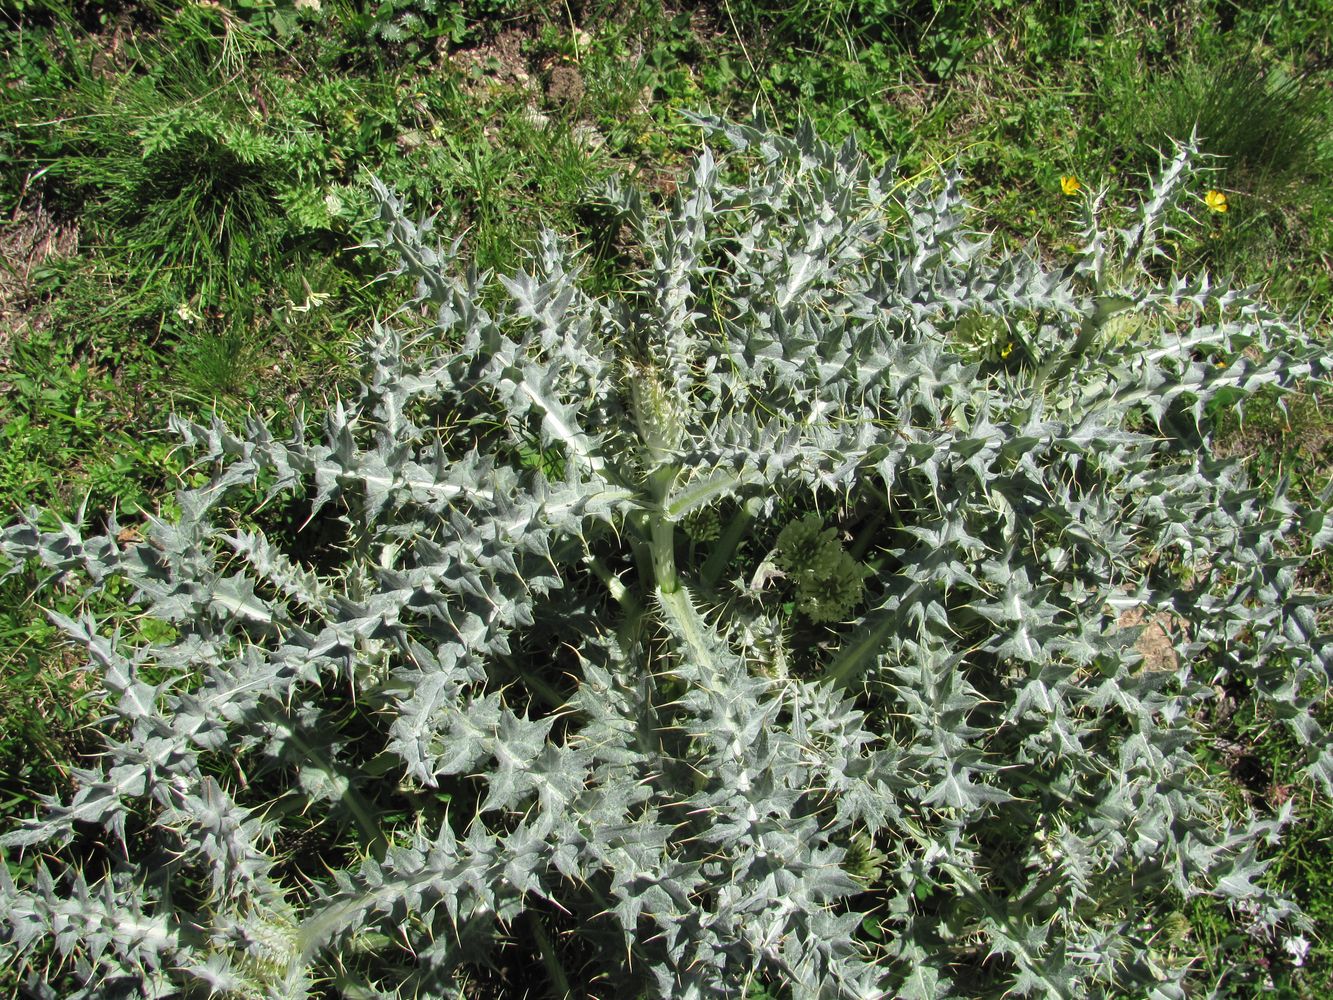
(663, 531)
(664, 555)
(688, 628)
(724, 550)
(861, 651)
(1061, 363)
(618, 591)
(554, 971)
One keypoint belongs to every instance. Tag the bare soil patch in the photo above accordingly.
(1154, 642)
(30, 236)
(496, 61)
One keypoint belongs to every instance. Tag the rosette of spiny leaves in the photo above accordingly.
(505, 717)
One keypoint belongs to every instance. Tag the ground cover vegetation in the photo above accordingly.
(186, 189)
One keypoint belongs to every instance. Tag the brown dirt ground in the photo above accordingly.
(1155, 642)
(30, 236)
(499, 60)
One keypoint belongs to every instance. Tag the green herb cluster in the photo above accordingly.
(828, 581)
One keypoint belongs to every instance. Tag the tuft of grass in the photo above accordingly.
(1263, 124)
(1268, 131)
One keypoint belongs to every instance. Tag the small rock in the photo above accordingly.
(588, 136)
(411, 139)
(533, 117)
(1154, 642)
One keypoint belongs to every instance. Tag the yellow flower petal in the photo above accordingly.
(1069, 184)
(1216, 201)
(1008, 350)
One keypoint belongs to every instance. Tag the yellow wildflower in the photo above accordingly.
(1008, 350)
(1216, 201)
(1069, 184)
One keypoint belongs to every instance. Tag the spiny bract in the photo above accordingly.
(515, 709)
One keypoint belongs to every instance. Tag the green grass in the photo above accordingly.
(219, 183)
(213, 160)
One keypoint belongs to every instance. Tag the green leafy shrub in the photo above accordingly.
(487, 712)
(399, 21)
(398, 27)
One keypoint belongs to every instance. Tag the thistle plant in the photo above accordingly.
(880, 731)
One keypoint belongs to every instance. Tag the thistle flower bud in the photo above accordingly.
(656, 413)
